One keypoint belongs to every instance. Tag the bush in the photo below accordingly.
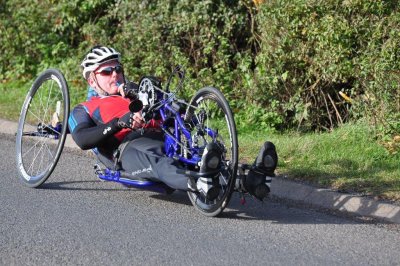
(310, 52)
(281, 63)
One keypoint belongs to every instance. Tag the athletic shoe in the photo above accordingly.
(210, 164)
(258, 179)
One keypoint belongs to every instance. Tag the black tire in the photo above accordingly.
(218, 115)
(38, 143)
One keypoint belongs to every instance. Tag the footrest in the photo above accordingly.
(132, 181)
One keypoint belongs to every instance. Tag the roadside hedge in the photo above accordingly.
(281, 63)
(309, 52)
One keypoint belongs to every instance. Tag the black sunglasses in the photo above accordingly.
(109, 70)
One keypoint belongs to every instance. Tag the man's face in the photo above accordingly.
(107, 77)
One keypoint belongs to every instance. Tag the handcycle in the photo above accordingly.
(187, 126)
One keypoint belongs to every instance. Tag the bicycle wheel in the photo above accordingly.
(210, 110)
(42, 127)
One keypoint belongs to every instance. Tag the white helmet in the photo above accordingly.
(98, 55)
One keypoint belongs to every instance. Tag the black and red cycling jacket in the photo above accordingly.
(94, 123)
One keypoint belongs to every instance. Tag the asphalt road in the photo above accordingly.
(77, 219)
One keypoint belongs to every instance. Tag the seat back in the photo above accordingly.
(105, 160)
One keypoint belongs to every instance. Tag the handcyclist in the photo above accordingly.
(105, 124)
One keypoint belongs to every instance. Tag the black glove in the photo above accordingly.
(126, 120)
(131, 89)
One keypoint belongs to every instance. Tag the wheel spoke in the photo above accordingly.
(26, 152)
(44, 109)
(215, 119)
(37, 158)
(34, 159)
(44, 146)
(37, 117)
(48, 97)
(43, 123)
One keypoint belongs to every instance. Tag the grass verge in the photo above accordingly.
(348, 159)
(11, 100)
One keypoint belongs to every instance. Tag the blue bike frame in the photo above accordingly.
(172, 146)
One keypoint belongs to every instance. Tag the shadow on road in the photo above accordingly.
(271, 210)
(80, 185)
(177, 197)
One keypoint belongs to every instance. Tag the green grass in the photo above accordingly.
(347, 159)
(13, 95)
(11, 99)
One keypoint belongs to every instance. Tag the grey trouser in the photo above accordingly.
(143, 156)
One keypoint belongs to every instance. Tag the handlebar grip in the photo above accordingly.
(135, 106)
(131, 90)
